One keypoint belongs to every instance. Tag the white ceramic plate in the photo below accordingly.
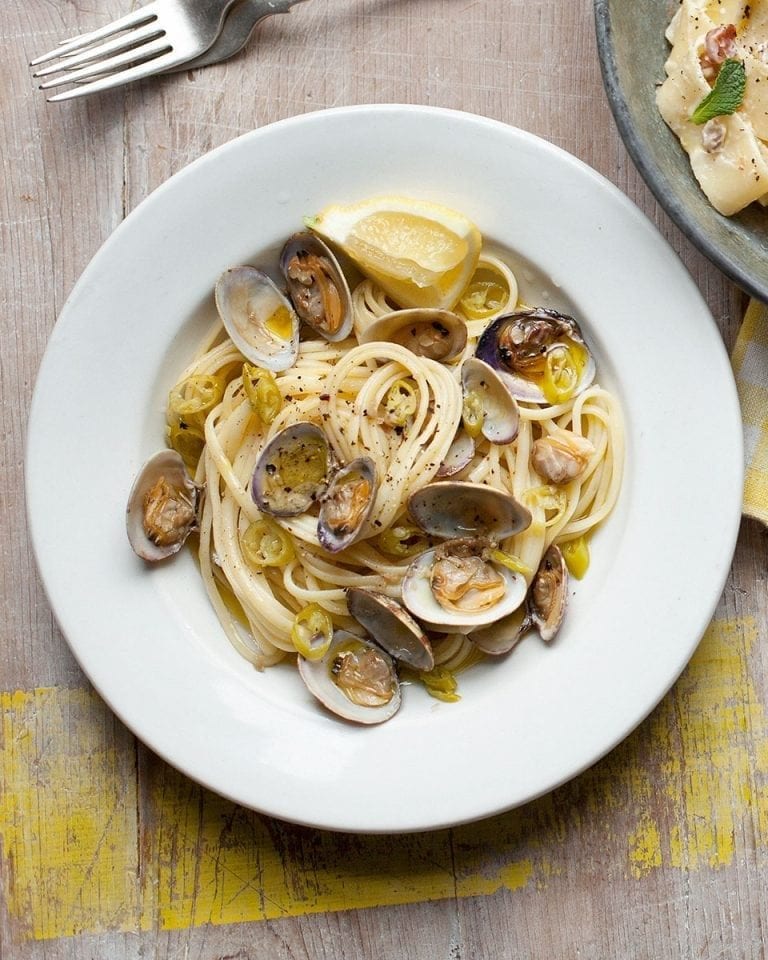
(147, 637)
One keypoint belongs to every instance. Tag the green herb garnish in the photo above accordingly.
(727, 94)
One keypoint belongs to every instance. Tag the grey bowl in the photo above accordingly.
(633, 49)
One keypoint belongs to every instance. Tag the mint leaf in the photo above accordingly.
(727, 94)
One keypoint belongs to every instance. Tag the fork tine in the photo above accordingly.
(134, 19)
(125, 42)
(141, 70)
(148, 51)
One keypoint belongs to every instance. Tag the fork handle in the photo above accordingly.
(209, 7)
(238, 27)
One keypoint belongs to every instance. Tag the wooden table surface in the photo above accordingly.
(660, 850)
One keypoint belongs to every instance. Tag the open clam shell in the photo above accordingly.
(421, 591)
(456, 508)
(346, 504)
(501, 413)
(317, 286)
(355, 680)
(517, 346)
(435, 334)
(392, 627)
(293, 470)
(261, 323)
(162, 507)
(548, 594)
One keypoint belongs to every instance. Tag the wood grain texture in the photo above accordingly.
(660, 850)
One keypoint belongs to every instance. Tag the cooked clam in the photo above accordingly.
(548, 595)
(260, 321)
(540, 354)
(293, 470)
(347, 504)
(354, 679)
(454, 509)
(162, 507)
(392, 627)
(316, 286)
(459, 584)
(455, 585)
(436, 334)
(561, 456)
(498, 411)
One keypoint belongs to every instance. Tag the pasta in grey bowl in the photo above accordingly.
(633, 50)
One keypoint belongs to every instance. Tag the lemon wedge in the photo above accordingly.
(420, 253)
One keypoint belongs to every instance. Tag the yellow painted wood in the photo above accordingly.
(68, 814)
(749, 370)
(76, 859)
(218, 863)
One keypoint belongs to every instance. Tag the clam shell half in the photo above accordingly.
(261, 323)
(456, 508)
(435, 334)
(355, 680)
(317, 286)
(392, 627)
(292, 471)
(501, 412)
(162, 507)
(419, 598)
(514, 342)
(346, 504)
(548, 595)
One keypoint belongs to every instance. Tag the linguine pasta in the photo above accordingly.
(344, 388)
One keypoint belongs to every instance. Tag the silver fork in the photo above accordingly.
(238, 28)
(155, 38)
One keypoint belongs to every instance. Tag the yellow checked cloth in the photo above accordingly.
(750, 367)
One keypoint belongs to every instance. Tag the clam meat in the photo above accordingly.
(292, 471)
(346, 504)
(561, 456)
(162, 507)
(317, 286)
(540, 354)
(260, 321)
(355, 679)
